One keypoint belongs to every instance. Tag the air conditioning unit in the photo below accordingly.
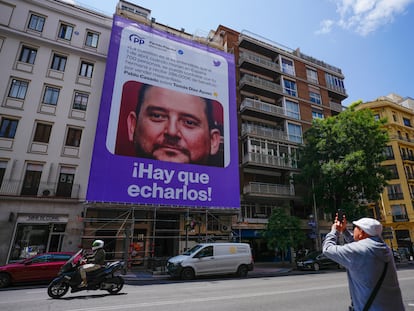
(225, 228)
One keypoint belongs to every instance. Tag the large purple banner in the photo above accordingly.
(167, 128)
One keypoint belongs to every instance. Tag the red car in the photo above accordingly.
(41, 267)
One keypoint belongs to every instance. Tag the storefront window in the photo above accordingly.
(33, 239)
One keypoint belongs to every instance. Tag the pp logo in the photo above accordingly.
(136, 39)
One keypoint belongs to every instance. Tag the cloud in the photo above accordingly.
(326, 26)
(364, 16)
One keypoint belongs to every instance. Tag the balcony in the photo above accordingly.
(268, 47)
(263, 132)
(256, 63)
(257, 106)
(400, 218)
(43, 190)
(259, 159)
(335, 107)
(400, 137)
(268, 190)
(255, 85)
(405, 157)
(337, 90)
(396, 196)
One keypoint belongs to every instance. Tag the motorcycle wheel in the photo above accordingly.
(119, 284)
(57, 289)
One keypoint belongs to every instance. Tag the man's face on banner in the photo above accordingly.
(173, 126)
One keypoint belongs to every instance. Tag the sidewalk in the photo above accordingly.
(260, 269)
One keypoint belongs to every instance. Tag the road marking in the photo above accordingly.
(205, 299)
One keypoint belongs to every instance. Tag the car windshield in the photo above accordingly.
(192, 250)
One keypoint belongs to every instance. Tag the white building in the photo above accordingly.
(52, 56)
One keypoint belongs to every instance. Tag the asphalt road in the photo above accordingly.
(314, 291)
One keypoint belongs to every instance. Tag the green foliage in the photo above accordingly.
(283, 231)
(341, 158)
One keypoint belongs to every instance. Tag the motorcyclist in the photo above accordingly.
(93, 262)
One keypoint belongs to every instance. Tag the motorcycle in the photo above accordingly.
(106, 278)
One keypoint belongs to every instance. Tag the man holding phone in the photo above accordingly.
(366, 257)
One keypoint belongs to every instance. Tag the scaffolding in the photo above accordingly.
(146, 236)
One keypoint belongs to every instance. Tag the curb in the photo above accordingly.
(156, 275)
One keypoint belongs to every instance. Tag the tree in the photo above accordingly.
(283, 231)
(341, 161)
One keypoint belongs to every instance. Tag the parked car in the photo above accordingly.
(212, 259)
(41, 267)
(315, 261)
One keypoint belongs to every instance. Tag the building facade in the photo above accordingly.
(280, 91)
(53, 57)
(395, 209)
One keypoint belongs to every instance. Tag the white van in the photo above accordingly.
(211, 259)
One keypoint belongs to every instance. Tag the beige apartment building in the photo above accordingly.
(395, 208)
(53, 57)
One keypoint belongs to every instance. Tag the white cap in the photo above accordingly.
(369, 225)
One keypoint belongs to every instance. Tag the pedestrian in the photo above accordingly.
(369, 263)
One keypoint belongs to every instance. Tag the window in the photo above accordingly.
(289, 87)
(393, 171)
(92, 39)
(316, 114)
(394, 117)
(287, 66)
(73, 137)
(27, 55)
(407, 122)
(399, 212)
(80, 101)
(395, 192)
(86, 69)
(334, 83)
(389, 153)
(3, 166)
(408, 172)
(18, 89)
(36, 23)
(295, 133)
(51, 95)
(8, 127)
(377, 117)
(292, 109)
(315, 97)
(65, 183)
(42, 133)
(32, 179)
(65, 32)
(406, 154)
(205, 252)
(312, 75)
(58, 62)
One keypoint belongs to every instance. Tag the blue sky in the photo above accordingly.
(370, 40)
